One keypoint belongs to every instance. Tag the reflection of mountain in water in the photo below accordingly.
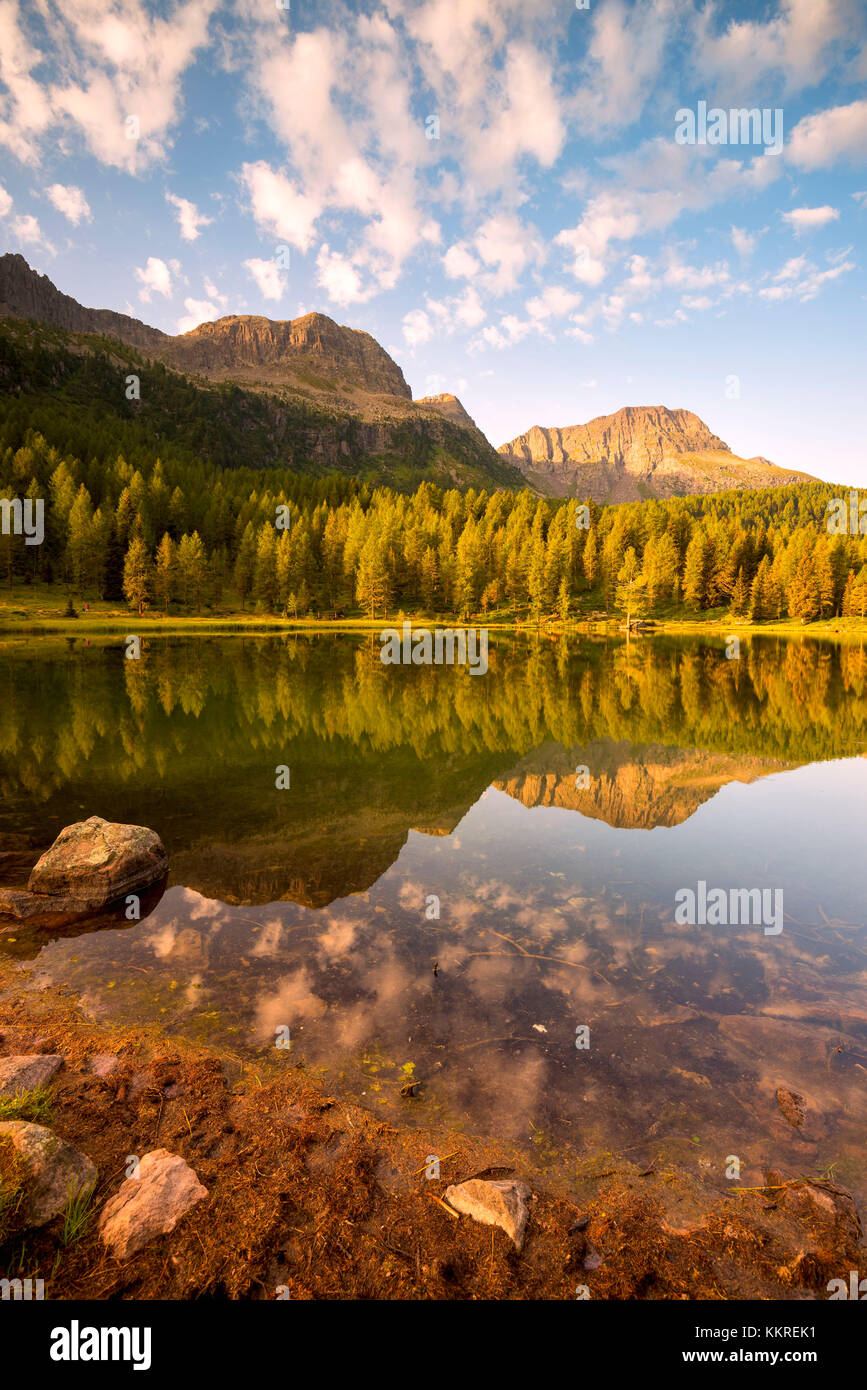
(630, 788)
(188, 740)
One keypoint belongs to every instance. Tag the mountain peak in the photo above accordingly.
(249, 346)
(244, 347)
(638, 451)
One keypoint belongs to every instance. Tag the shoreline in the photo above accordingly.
(112, 624)
(312, 1196)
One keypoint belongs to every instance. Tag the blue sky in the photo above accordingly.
(554, 254)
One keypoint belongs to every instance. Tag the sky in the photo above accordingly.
(513, 196)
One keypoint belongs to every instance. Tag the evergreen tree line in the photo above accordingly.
(181, 533)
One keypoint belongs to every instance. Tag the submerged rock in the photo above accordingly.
(150, 1204)
(104, 1063)
(505, 1203)
(91, 864)
(54, 1171)
(26, 1072)
(792, 1105)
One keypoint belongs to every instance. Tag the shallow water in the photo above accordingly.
(313, 909)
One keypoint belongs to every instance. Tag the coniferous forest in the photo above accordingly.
(181, 535)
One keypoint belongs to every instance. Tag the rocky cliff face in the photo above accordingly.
(242, 345)
(324, 396)
(450, 407)
(640, 451)
(26, 294)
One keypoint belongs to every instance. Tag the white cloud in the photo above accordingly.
(805, 219)
(624, 61)
(267, 277)
(800, 278)
(682, 276)
(819, 141)
(417, 327)
(460, 311)
(198, 311)
(744, 242)
(121, 63)
(468, 308)
(798, 41)
(189, 217)
(213, 293)
(27, 229)
(5, 202)
(506, 244)
(653, 185)
(278, 206)
(511, 330)
(155, 278)
(339, 277)
(553, 302)
(70, 201)
(25, 110)
(459, 263)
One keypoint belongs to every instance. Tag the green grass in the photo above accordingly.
(32, 609)
(11, 1188)
(34, 1105)
(77, 1215)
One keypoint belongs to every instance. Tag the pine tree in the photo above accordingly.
(137, 574)
(859, 594)
(740, 596)
(191, 567)
(802, 595)
(563, 601)
(245, 564)
(265, 577)
(166, 571)
(630, 582)
(80, 528)
(695, 572)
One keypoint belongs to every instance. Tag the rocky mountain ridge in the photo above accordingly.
(333, 390)
(635, 453)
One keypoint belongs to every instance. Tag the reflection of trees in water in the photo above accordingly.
(187, 706)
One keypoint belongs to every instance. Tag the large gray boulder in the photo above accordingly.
(90, 865)
(53, 1170)
(150, 1204)
(28, 1071)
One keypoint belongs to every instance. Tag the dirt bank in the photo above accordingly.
(312, 1197)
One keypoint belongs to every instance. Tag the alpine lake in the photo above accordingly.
(470, 881)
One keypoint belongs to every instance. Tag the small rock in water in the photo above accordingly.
(505, 1203)
(792, 1105)
(54, 1170)
(149, 1205)
(25, 1072)
(103, 1064)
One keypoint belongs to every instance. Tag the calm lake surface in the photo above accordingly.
(311, 908)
